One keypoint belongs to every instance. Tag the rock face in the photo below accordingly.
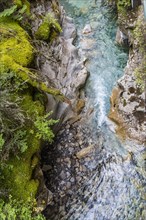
(128, 99)
(60, 63)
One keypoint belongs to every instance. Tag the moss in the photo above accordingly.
(21, 3)
(18, 180)
(124, 102)
(45, 31)
(17, 46)
(123, 5)
(139, 35)
(18, 3)
(16, 53)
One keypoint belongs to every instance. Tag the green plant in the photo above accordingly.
(18, 210)
(122, 6)
(2, 141)
(139, 35)
(43, 129)
(45, 30)
(17, 10)
(9, 11)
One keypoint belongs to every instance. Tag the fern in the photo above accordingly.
(8, 12)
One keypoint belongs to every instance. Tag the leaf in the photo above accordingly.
(9, 11)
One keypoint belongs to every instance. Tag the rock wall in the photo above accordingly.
(60, 65)
(128, 99)
(59, 62)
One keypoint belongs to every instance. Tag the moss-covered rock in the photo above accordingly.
(16, 54)
(14, 42)
(23, 3)
(44, 31)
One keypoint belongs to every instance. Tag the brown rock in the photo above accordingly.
(84, 152)
(80, 105)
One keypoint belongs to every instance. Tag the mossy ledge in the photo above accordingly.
(16, 55)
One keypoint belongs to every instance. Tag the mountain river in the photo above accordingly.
(116, 191)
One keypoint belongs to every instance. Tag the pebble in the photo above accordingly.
(63, 175)
(68, 185)
(72, 180)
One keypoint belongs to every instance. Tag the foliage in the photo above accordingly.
(18, 210)
(9, 11)
(2, 141)
(46, 28)
(19, 109)
(42, 125)
(139, 35)
(123, 5)
(17, 10)
(140, 74)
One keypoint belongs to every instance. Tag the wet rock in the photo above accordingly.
(121, 38)
(87, 29)
(87, 44)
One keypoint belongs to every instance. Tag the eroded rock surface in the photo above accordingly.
(60, 63)
(128, 103)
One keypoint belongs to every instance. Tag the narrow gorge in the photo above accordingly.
(72, 110)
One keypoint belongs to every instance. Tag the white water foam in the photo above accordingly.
(100, 101)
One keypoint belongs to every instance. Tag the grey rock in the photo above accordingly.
(87, 29)
(46, 168)
(63, 175)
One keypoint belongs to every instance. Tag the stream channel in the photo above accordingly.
(113, 184)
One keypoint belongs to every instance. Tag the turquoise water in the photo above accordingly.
(105, 59)
(118, 193)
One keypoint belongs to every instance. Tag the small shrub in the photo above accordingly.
(43, 128)
(17, 210)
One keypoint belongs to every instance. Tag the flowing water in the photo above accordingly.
(117, 192)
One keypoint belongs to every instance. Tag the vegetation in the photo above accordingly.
(46, 28)
(139, 35)
(23, 121)
(124, 3)
(16, 10)
(14, 210)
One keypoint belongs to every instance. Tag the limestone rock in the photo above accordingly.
(87, 29)
(84, 152)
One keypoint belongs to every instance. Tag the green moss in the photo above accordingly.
(16, 53)
(18, 3)
(45, 31)
(139, 35)
(18, 180)
(123, 5)
(15, 42)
